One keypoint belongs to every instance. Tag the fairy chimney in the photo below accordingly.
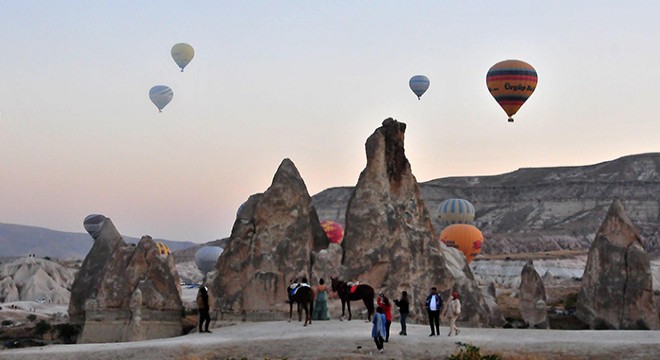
(617, 290)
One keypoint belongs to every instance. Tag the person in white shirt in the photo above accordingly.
(433, 307)
(452, 312)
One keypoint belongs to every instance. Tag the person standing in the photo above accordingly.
(203, 309)
(433, 307)
(386, 305)
(452, 312)
(321, 302)
(404, 310)
(378, 328)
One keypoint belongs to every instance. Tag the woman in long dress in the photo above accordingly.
(321, 302)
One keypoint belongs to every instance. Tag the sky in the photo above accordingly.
(304, 80)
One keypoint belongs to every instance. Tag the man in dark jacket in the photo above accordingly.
(433, 307)
(203, 308)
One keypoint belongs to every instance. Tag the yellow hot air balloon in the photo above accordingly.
(466, 238)
(163, 250)
(511, 82)
(182, 54)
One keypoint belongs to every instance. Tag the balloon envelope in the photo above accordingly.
(466, 238)
(511, 83)
(334, 231)
(182, 54)
(161, 95)
(206, 258)
(93, 224)
(456, 211)
(419, 84)
(163, 250)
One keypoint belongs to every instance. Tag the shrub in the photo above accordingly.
(47, 258)
(42, 327)
(32, 317)
(571, 300)
(471, 352)
(68, 333)
(7, 322)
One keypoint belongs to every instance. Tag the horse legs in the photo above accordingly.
(290, 310)
(370, 309)
(299, 313)
(348, 304)
(343, 307)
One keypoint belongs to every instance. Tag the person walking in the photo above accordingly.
(378, 328)
(452, 312)
(386, 305)
(203, 309)
(321, 302)
(433, 307)
(404, 310)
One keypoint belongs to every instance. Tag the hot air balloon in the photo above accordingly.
(206, 258)
(163, 250)
(456, 211)
(511, 83)
(93, 224)
(466, 238)
(333, 231)
(419, 84)
(182, 54)
(161, 95)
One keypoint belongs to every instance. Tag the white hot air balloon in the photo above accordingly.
(419, 84)
(161, 95)
(182, 54)
(206, 258)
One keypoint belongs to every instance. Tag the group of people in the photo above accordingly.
(382, 319)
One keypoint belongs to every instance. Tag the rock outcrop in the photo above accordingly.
(616, 290)
(271, 243)
(390, 242)
(35, 279)
(532, 298)
(125, 292)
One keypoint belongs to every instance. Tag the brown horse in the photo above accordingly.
(362, 292)
(303, 295)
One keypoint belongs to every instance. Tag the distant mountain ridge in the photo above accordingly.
(22, 240)
(540, 209)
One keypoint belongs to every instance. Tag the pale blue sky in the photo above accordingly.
(307, 80)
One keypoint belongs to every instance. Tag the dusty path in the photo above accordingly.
(351, 340)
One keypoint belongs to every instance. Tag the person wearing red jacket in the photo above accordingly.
(385, 304)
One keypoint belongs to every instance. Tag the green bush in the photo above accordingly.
(571, 300)
(32, 317)
(6, 322)
(68, 333)
(471, 352)
(42, 327)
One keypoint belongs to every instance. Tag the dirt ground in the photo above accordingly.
(336, 339)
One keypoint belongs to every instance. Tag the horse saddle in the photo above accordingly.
(353, 288)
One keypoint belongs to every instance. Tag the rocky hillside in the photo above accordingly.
(541, 209)
(34, 279)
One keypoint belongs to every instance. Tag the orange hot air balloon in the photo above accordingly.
(466, 238)
(511, 82)
(333, 231)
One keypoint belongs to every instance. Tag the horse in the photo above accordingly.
(304, 295)
(362, 292)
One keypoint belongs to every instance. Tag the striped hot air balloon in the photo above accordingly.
(511, 82)
(419, 84)
(163, 250)
(466, 238)
(456, 211)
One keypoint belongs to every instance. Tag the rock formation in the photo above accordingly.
(271, 243)
(532, 298)
(389, 240)
(616, 290)
(124, 292)
(35, 279)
